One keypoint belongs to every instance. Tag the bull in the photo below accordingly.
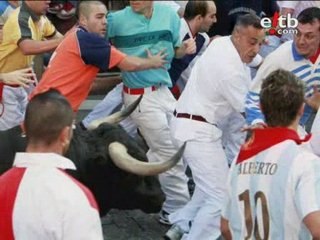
(108, 161)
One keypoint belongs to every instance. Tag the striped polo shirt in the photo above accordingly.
(287, 58)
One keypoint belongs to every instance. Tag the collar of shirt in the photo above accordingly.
(296, 55)
(25, 8)
(43, 160)
(82, 28)
(263, 139)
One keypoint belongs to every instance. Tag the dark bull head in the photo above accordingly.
(106, 161)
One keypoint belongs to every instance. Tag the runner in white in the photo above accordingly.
(274, 185)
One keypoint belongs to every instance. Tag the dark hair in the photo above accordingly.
(194, 8)
(82, 7)
(309, 15)
(281, 96)
(248, 20)
(46, 115)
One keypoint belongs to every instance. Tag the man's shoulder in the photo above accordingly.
(283, 51)
(119, 14)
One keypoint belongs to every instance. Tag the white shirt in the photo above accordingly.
(297, 6)
(315, 130)
(280, 186)
(47, 202)
(217, 87)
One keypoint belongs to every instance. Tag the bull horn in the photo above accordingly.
(117, 116)
(120, 157)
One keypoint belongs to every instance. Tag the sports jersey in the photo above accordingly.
(75, 63)
(272, 186)
(160, 32)
(39, 200)
(287, 58)
(181, 67)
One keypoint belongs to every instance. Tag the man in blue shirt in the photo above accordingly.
(154, 27)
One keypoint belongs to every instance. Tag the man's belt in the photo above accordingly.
(192, 117)
(138, 91)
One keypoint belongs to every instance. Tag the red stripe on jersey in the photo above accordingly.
(86, 191)
(9, 185)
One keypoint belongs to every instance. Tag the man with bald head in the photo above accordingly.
(23, 35)
(84, 52)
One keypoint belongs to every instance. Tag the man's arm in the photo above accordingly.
(34, 47)
(132, 63)
(225, 230)
(187, 47)
(252, 102)
(312, 222)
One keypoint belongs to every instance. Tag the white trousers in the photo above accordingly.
(14, 103)
(152, 117)
(107, 106)
(200, 218)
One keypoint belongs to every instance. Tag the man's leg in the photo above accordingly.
(152, 117)
(13, 105)
(112, 100)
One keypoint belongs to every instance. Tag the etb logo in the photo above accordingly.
(280, 24)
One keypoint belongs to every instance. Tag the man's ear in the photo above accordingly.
(198, 17)
(82, 20)
(64, 136)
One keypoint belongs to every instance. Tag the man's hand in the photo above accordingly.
(157, 60)
(314, 100)
(22, 77)
(189, 46)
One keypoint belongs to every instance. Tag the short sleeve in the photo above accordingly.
(116, 57)
(48, 28)
(308, 184)
(94, 50)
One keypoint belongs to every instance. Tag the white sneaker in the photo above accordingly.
(174, 233)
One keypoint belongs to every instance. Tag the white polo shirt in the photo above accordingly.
(217, 87)
(39, 200)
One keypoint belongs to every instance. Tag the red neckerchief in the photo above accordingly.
(314, 58)
(264, 138)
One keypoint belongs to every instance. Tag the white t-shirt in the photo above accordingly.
(44, 202)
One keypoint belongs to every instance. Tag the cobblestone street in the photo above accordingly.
(132, 225)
